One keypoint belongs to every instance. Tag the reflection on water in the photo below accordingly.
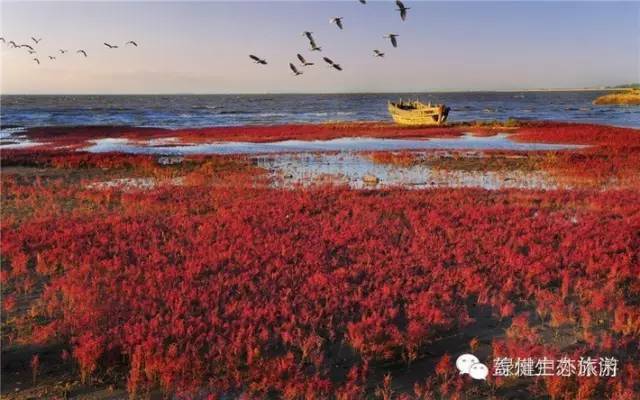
(341, 161)
(336, 161)
(11, 138)
(288, 170)
(466, 142)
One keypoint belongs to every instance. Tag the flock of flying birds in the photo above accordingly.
(338, 22)
(12, 44)
(402, 9)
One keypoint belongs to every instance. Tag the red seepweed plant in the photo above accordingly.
(240, 289)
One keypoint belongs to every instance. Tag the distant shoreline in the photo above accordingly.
(324, 93)
(564, 90)
(626, 98)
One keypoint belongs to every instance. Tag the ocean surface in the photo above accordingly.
(191, 111)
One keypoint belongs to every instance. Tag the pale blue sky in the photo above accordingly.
(203, 47)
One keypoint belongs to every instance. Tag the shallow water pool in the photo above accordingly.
(465, 142)
(288, 170)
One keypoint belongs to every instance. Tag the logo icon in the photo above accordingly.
(470, 364)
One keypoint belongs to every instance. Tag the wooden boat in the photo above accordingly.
(416, 113)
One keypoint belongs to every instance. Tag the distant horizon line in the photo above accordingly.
(587, 89)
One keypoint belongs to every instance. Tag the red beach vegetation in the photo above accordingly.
(223, 286)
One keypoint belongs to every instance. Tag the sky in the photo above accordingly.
(203, 47)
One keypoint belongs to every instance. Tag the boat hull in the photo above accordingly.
(418, 114)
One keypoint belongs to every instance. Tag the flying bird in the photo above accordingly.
(332, 64)
(295, 70)
(314, 46)
(402, 9)
(52, 58)
(303, 61)
(82, 52)
(312, 43)
(13, 44)
(36, 41)
(62, 51)
(131, 42)
(337, 21)
(363, 1)
(2, 39)
(257, 59)
(27, 46)
(111, 46)
(36, 60)
(392, 37)
(378, 53)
